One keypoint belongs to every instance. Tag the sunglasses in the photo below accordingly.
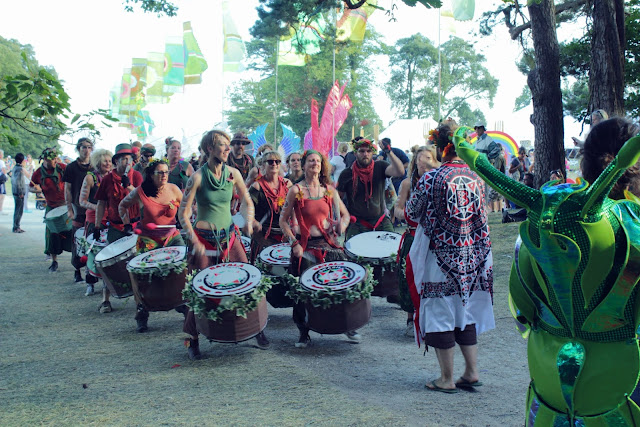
(237, 143)
(161, 173)
(274, 162)
(148, 154)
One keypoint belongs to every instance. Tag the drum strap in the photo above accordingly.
(369, 226)
(411, 231)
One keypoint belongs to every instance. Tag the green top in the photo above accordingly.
(178, 175)
(214, 198)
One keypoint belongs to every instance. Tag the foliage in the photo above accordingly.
(33, 103)
(159, 269)
(413, 86)
(242, 305)
(253, 101)
(159, 7)
(327, 297)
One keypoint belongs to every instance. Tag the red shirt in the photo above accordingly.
(51, 183)
(112, 192)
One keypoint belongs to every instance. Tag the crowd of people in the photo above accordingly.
(313, 204)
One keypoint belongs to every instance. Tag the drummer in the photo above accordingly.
(101, 165)
(321, 217)
(115, 187)
(159, 201)
(268, 194)
(424, 159)
(179, 170)
(73, 176)
(363, 186)
(214, 238)
(48, 180)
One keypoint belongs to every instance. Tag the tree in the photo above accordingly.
(253, 102)
(413, 86)
(33, 103)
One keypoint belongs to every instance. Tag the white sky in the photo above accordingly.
(90, 42)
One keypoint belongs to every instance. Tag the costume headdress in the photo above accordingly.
(359, 141)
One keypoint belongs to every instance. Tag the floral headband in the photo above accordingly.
(357, 143)
(49, 154)
(433, 135)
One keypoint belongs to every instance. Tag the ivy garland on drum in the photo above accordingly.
(241, 304)
(326, 297)
(159, 269)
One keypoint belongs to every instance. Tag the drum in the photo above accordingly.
(57, 220)
(222, 284)
(111, 263)
(378, 249)
(81, 242)
(158, 277)
(276, 259)
(246, 243)
(93, 248)
(338, 278)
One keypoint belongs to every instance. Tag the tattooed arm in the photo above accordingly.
(184, 213)
(123, 208)
(87, 185)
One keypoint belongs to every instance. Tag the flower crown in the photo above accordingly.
(362, 142)
(433, 135)
(49, 154)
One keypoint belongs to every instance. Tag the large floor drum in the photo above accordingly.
(338, 318)
(158, 277)
(111, 263)
(378, 249)
(275, 261)
(57, 220)
(221, 280)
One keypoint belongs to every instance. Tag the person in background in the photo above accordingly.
(385, 144)
(29, 167)
(146, 152)
(20, 190)
(73, 177)
(495, 198)
(294, 162)
(337, 161)
(238, 159)
(3, 177)
(597, 116)
(179, 170)
(135, 148)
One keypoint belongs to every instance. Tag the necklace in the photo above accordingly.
(309, 191)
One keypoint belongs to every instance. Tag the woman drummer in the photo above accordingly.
(158, 200)
(212, 187)
(268, 194)
(321, 217)
(101, 165)
(424, 159)
(179, 170)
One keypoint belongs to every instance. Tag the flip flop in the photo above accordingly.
(463, 382)
(433, 387)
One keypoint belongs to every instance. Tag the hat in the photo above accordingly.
(148, 150)
(240, 137)
(121, 150)
(479, 125)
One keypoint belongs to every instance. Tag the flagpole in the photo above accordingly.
(275, 110)
(333, 115)
(438, 118)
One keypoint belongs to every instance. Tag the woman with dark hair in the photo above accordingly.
(450, 264)
(158, 201)
(423, 160)
(321, 216)
(600, 148)
(212, 187)
(179, 170)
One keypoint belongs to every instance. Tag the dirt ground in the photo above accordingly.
(64, 363)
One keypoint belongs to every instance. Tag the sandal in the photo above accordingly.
(463, 382)
(433, 387)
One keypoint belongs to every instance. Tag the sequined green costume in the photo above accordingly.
(573, 287)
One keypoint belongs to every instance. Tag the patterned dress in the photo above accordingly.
(450, 265)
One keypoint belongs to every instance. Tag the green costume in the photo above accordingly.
(214, 198)
(573, 287)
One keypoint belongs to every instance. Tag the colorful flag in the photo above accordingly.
(353, 23)
(195, 64)
(234, 50)
(155, 78)
(460, 10)
(173, 65)
(138, 80)
(302, 41)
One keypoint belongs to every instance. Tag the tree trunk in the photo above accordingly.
(544, 82)
(606, 75)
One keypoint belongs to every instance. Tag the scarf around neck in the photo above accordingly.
(364, 174)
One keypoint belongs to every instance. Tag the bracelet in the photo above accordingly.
(293, 243)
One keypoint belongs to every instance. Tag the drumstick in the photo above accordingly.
(153, 226)
(264, 218)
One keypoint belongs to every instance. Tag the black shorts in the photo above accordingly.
(445, 340)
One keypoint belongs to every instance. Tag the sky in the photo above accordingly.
(90, 42)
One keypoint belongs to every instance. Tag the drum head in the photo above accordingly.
(79, 234)
(232, 278)
(279, 254)
(239, 220)
(373, 244)
(55, 212)
(103, 239)
(156, 257)
(246, 242)
(116, 248)
(337, 275)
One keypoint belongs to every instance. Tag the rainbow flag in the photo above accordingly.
(195, 64)
(234, 50)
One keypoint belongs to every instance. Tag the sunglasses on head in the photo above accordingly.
(274, 162)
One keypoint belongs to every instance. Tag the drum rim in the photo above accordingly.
(278, 262)
(317, 266)
(390, 257)
(63, 209)
(214, 267)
